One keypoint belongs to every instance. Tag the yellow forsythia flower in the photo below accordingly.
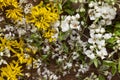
(2, 3)
(42, 16)
(6, 3)
(10, 44)
(11, 71)
(1, 78)
(49, 35)
(23, 59)
(3, 43)
(15, 14)
(17, 48)
(13, 3)
(1, 0)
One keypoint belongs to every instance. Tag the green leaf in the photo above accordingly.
(46, 0)
(60, 6)
(65, 48)
(101, 77)
(71, 12)
(44, 57)
(117, 32)
(109, 63)
(119, 65)
(95, 61)
(63, 35)
(117, 25)
(112, 40)
(114, 69)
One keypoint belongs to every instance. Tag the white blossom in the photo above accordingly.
(1, 53)
(75, 25)
(64, 26)
(107, 36)
(104, 10)
(77, 16)
(56, 24)
(102, 30)
(83, 68)
(102, 53)
(90, 54)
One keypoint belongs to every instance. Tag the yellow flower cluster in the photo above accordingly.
(18, 49)
(42, 16)
(11, 71)
(14, 12)
(49, 35)
(15, 47)
(3, 3)
(9, 44)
